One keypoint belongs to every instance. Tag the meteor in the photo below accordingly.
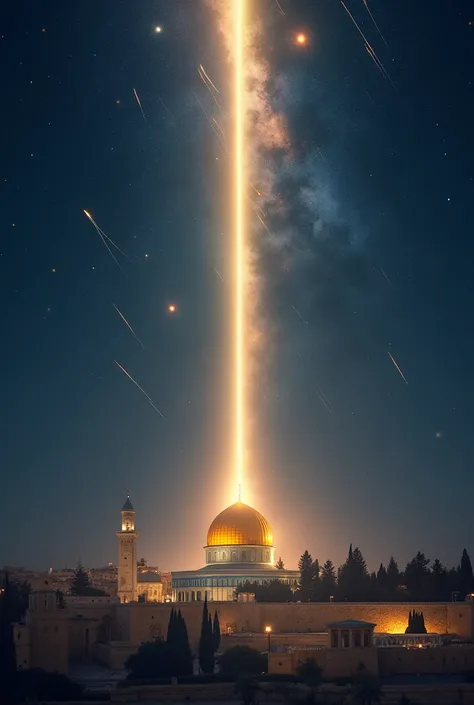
(128, 325)
(137, 385)
(104, 237)
(239, 7)
(139, 105)
(398, 368)
(369, 48)
(375, 23)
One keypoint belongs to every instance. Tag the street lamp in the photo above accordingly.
(268, 632)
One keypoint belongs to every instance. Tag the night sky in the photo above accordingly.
(377, 259)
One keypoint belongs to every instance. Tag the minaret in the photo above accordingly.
(127, 559)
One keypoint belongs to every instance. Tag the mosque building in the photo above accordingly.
(239, 549)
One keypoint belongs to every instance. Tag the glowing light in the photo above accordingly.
(239, 236)
(172, 308)
(158, 29)
(301, 39)
(268, 629)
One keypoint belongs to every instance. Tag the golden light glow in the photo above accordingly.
(301, 39)
(240, 525)
(268, 629)
(158, 29)
(239, 236)
(172, 308)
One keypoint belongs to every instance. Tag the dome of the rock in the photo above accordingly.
(240, 525)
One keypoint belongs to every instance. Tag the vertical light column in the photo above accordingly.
(239, 238)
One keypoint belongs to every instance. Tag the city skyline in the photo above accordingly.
(361, 414)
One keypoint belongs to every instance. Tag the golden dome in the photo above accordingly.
(240, 525)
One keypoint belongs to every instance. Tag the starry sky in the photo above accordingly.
(374, 259)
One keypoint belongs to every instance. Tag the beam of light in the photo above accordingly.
(128, 325)
(375, 23)
(397, 368)
(150, 401)
(369, 48)
(104, 237)
(139, 105)
(239, 7)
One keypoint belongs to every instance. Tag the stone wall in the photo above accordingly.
(143, 620)
(445, 660)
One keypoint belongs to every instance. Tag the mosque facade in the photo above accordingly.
(239, 549)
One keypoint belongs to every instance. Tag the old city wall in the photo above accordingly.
(140, 622)
(446, 660)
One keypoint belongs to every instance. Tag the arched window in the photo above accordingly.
(208, 556)
(252, 556)
(224, 556)
(244, 555)
(234, 555)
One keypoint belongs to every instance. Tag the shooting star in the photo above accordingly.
(298, 313)
(209, 85)
(369, 48)
(386, 276)
(128, 325)
(280, 9)
(139, 105)
(104, 237)
(398, 368)
(208, 78)
(137, 385)
(375, 24)
(324, 400)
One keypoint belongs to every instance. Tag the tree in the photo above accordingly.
(271, 591)
(206, 641)
(216, 632)
(310, 671)
(328, 580)
(81, 584)
(280, 565)
(242, 661)
(180, 655)
(393, 578)
(466, 579)
(37, 685)
(353, 579)
(417, 576)
(366, 688)
(308, 577)
(416, 623)
(152, 660)
(247, 687)
(438, 582)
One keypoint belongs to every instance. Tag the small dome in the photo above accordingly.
(240, 525)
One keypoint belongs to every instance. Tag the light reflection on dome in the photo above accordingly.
(240, 525)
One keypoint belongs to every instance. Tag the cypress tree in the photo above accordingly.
(466, 579)
(184, 654)
(216, 632)
(206, 642)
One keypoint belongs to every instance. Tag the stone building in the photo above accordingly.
(239, 548)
